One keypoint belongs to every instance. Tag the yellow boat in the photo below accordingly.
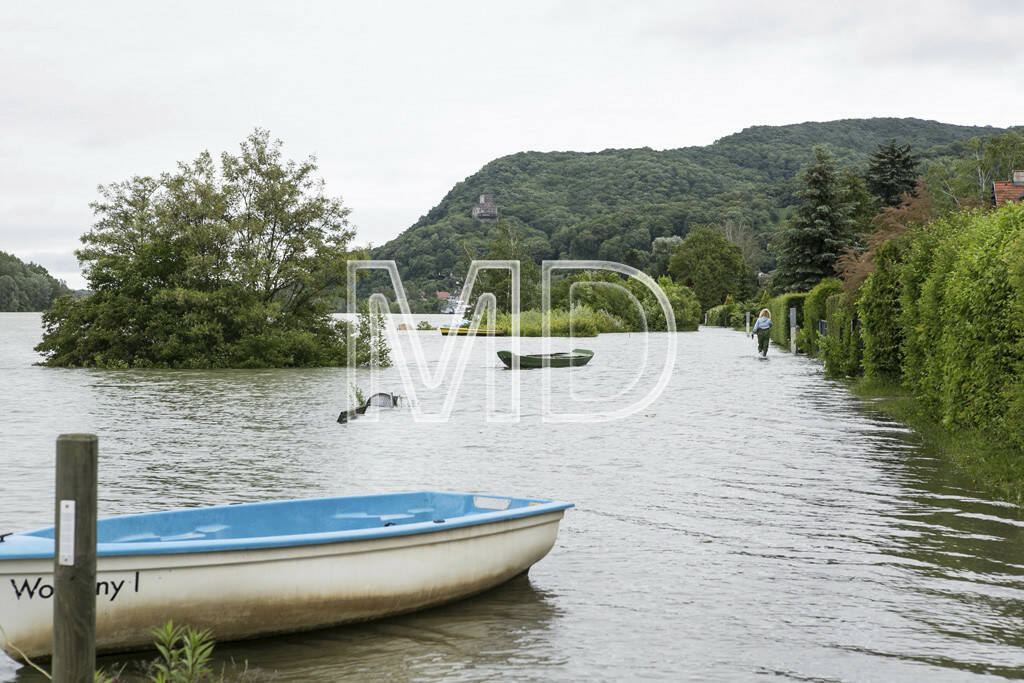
(466, 332)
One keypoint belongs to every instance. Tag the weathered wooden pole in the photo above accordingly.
(792, 330)
(74, 562)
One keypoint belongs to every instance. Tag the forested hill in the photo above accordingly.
(613, 204)
(26, 286)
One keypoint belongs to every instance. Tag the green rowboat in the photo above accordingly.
(548, 360)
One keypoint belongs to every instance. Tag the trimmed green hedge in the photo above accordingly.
(841, 346)
(809, 339)
(879, 311)
(732, 315)
(943, 312)
(779, 307)
(963, 303)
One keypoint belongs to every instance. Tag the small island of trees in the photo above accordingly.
(236, 264)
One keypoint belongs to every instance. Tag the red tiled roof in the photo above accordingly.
(1007, 192)
(442, 295)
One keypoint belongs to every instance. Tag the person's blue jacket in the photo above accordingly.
(761, 324)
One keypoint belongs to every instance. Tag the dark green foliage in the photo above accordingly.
(685, 306)
(613, 204)
(661, 252)
(892, 170)
(712, 267)
(809, 339)
(507, 244)
(779, 307)
(853, 192)
(203, 268)
(879, 311)
(818, 232)
(27, 286)
(841, 346)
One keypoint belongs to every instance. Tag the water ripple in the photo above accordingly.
(755, 520)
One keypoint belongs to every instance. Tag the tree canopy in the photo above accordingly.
(508, 245)
(712, 266)
(820, 230)
(27, 286)
(962, 175)
(892, 171)
(229, 265)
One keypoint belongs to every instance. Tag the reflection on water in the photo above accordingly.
(470, 640)
(756, 519)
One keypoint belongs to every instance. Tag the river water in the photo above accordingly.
(755, 520)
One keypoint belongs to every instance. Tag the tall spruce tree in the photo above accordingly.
(892, 170)
(821, 228)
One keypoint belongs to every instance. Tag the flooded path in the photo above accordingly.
(756, 519)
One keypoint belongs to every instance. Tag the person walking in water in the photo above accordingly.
(762, 327)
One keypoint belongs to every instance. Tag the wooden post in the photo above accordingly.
(748, 322)
(74, 562)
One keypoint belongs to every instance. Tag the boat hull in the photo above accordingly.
(577, 358)
(248, 593)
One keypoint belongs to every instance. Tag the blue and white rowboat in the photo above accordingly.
(262, 568)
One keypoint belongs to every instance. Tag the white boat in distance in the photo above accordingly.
(258, 569)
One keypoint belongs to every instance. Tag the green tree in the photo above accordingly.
(508, 244)
(205, 267)
(711, 266)
(744, 237)
(964, 178)
(661, 252)
(818, 232)
(853, 192)
(892, 171)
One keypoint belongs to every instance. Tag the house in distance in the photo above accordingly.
(1009, 191)
(485, 209)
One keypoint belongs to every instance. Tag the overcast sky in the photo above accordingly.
(401, 100)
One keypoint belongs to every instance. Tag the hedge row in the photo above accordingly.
(943, 313)
(809, 339)
(732, 315)
(779, 307)
(841, 347)
(961, 314)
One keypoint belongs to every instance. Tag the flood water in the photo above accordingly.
(755, 521)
